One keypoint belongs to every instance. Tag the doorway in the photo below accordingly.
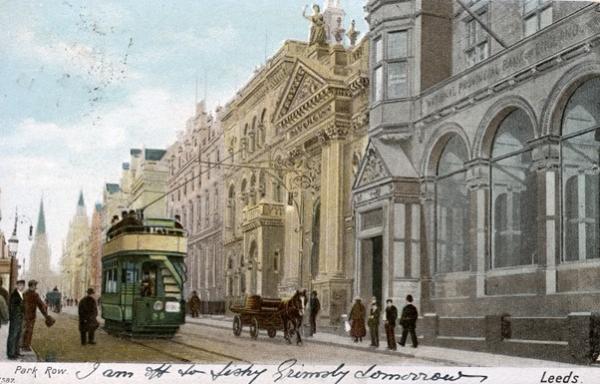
(372, 268)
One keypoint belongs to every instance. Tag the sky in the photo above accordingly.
(82, 82)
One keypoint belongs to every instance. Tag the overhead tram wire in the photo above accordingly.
(216, 164)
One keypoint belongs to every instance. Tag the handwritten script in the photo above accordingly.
(288, 371)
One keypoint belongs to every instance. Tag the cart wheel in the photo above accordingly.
(254, 328)
(237, 325)
(271, 332)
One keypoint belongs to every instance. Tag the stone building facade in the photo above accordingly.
(96, 241)
(76, 254)
(294, 136)
(195, 186)
(479, 190)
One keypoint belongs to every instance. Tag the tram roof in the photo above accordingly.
(151, 234)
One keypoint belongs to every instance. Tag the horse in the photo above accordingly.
(292, 311)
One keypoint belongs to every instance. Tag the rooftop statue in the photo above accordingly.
(352, 33)
(317, 28)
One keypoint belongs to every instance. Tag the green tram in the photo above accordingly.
(143, 273)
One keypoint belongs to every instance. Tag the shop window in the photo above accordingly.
(513, 189)
(580, 151)
(452, 209)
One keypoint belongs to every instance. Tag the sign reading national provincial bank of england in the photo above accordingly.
(557, 38)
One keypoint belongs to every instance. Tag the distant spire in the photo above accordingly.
(80, 203)
(41, 223)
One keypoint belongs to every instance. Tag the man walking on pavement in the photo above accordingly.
(408, 320)
(373, 322)
(15, 314)
(315, 307)
(88, 311)
(32, 301)
(3, 292)
(391, 315)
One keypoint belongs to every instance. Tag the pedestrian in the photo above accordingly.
(88, 311)
(3, 291)
(15, 315)
(408, 321)
(146, 289)
(391, 315)
(357, 320)
(3, 311)
(194, 303)
(315, 307)
(32, 302)
(373, 322)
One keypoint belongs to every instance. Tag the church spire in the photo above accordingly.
(81, 203)
(41, 223)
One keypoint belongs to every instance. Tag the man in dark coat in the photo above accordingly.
(357, 320)
(391, 315)
(373, 322)
(315, 307)
(15, 314)
(4, 292)
(88, 311)
(408, 320)
(32, 302)
(195, 304)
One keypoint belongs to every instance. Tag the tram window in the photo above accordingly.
(129, 276)
(148, 287)
(110, 281)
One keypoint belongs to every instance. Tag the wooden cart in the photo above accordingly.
(257, 313)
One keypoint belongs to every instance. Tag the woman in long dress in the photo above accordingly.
(357, 320)
(317, 29)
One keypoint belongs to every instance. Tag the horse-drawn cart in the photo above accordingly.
(258, 313)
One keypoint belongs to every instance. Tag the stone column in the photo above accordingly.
(428, 244)
(479, 188)
(546, 159)
(332, 206)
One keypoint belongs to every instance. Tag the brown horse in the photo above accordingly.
(292, 311)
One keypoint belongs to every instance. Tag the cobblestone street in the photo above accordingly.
(195, 343)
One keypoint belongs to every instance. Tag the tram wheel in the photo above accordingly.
(237, 325)
(271, 332)
(254, 328)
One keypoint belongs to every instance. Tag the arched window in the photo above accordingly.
(580, 151)
(243, 192)
(262, 189)
(253, 189)
(253, 136)
(262, 127)
(452, 203)
(231, 209)
(513, 191)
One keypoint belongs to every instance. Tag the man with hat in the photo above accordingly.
(32, 302)
(15, 317)
(88, 311)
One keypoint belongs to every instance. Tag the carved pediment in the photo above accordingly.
(372, 168)
(303, 84)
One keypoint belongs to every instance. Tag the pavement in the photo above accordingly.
(27, 356)
(437, 355)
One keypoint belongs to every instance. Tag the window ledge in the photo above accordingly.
(518, 270)
(576, 264)
(454, 275)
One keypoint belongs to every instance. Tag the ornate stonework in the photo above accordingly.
(373, 169)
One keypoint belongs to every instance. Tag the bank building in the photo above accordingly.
(479, 189)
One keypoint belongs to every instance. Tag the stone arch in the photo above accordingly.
(436, 144)
(484, 137)
(552, 112)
